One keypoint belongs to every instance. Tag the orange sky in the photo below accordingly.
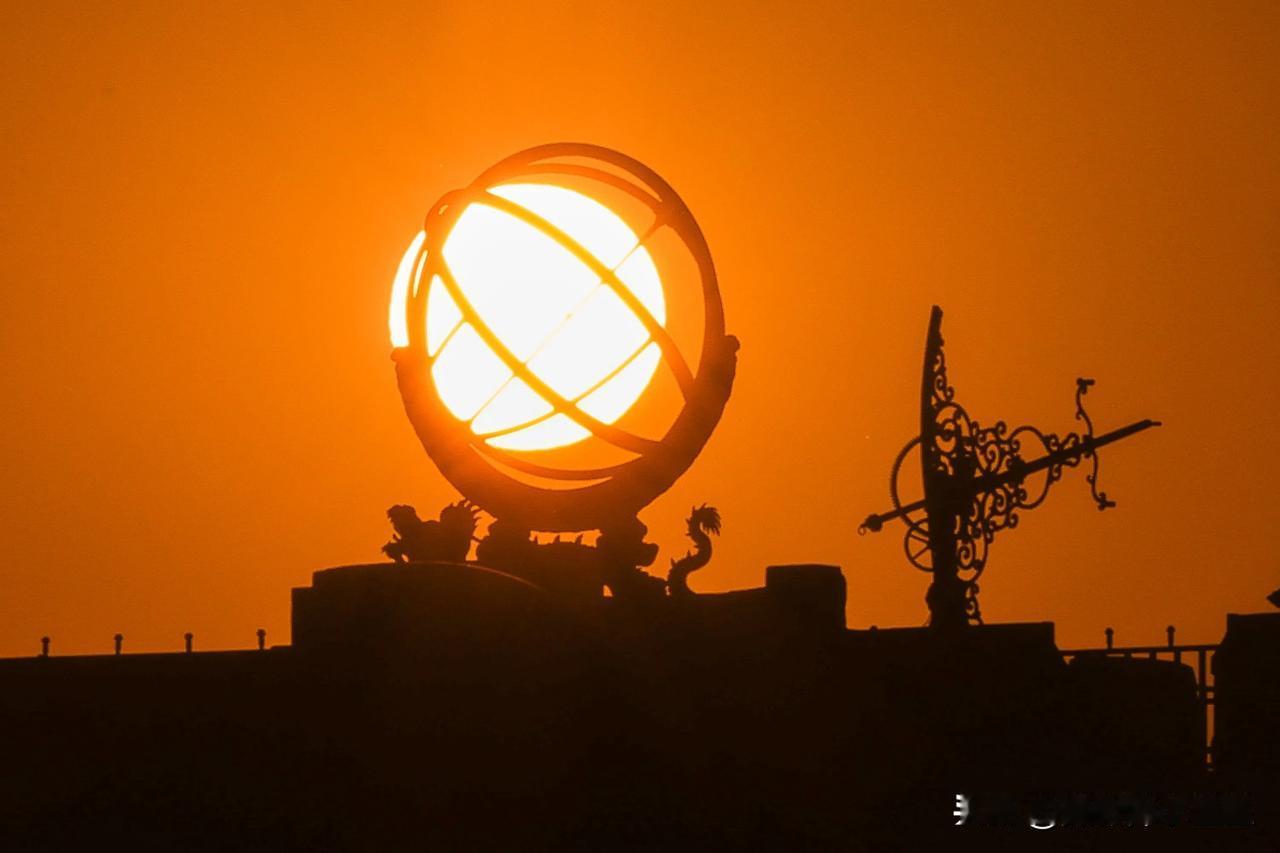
(203, 208)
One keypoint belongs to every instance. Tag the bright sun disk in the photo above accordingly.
(545, 306)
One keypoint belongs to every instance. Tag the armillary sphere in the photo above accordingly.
(559, 338)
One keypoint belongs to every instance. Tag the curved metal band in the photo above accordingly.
(591, 389)
(561, 404)
(659, 334)
(573, 170)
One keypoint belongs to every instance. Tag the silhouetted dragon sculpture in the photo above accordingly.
(617, 560)
(448, 539)
(702, 521)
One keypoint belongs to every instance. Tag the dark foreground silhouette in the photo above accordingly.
(446, 706)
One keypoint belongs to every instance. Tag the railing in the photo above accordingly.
(1204, 671)
(188, 638)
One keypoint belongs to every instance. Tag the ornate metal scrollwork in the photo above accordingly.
(1100, 498)
(976, 484)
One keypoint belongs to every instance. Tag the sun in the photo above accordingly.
(521, 323)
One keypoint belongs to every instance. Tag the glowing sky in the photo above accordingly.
(204, 207)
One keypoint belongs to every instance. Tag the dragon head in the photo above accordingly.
(403, 518)
(705, 517)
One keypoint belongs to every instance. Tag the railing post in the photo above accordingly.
(262, 638)
(119, 638)
(188, 637)
(44, 647)
(1169, 631)
(1111, 636)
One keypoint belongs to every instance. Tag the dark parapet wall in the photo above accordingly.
(959, 711)
(1246, 673)
(1136, 722)
(390, 609)
(112, 745)
(443, 705)
(815, 593)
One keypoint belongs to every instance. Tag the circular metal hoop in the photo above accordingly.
(916, 542)
(615, 492)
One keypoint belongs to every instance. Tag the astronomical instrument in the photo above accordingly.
(559, 338)
(976, 482)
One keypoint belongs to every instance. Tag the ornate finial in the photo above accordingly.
(976, 484)
(262, 638)
(119, 638)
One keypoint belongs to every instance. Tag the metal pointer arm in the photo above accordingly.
(977, 485)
